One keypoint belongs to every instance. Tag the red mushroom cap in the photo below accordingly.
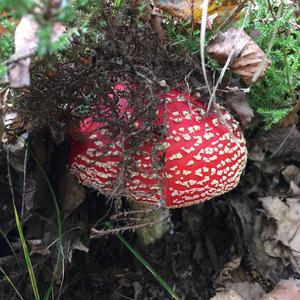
(204, 156)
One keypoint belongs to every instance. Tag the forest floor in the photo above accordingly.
(246, 240)
(238, 241)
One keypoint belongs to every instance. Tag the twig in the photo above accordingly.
(202, 43)
(288, 78)
(284, 141)
(128, 213)
(189, 89)
(17, 59)
(271, 10)
(99, 233)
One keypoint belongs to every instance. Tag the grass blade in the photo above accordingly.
(10, 246)
(141, 259)
(11, 283)
(58, 223)
(22, 238)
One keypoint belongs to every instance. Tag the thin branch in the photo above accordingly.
(284, 141)
(100, 233)
(24, 185)
(202, 43)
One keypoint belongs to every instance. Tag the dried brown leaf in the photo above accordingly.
(256, 231)
(282, 142)
(37, 247)
(238, 101)
(188, 9)
(227, 295)
(247, 56)
(292, 117)
(287, 216)
(285, 290)
(72, 194)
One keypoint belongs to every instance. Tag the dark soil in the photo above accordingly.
(190, 257)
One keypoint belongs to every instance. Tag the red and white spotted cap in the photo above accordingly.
(204, 156)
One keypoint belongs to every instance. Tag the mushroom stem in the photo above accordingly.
(156, 218)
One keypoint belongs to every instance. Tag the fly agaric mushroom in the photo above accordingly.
(204, 155)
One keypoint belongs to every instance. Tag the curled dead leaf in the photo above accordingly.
(285, 290)
(287, 216)
(248, 60)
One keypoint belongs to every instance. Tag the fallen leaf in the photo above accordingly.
(247, 58)
(247, 290)
(292, 117)
(291, 173)
(287, 216)
(188, 9)
(282, 142)
(285, 290)
(226, 272)
(227, 295)
(76, 245)
(72, 194)
(256, 232)
(295, 188)
(238, 101)
(37, 247)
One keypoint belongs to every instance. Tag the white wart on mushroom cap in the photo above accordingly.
(203, 157)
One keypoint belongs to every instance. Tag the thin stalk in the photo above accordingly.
(11, 283)
(288, 78)
(22, 238)
(142, 260)
(271, 10)
(10, 246)
(58, 223)
(202, 43)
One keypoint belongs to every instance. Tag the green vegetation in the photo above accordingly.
(275, 95)
(274, 28)
(144, 262)
(6, 48)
